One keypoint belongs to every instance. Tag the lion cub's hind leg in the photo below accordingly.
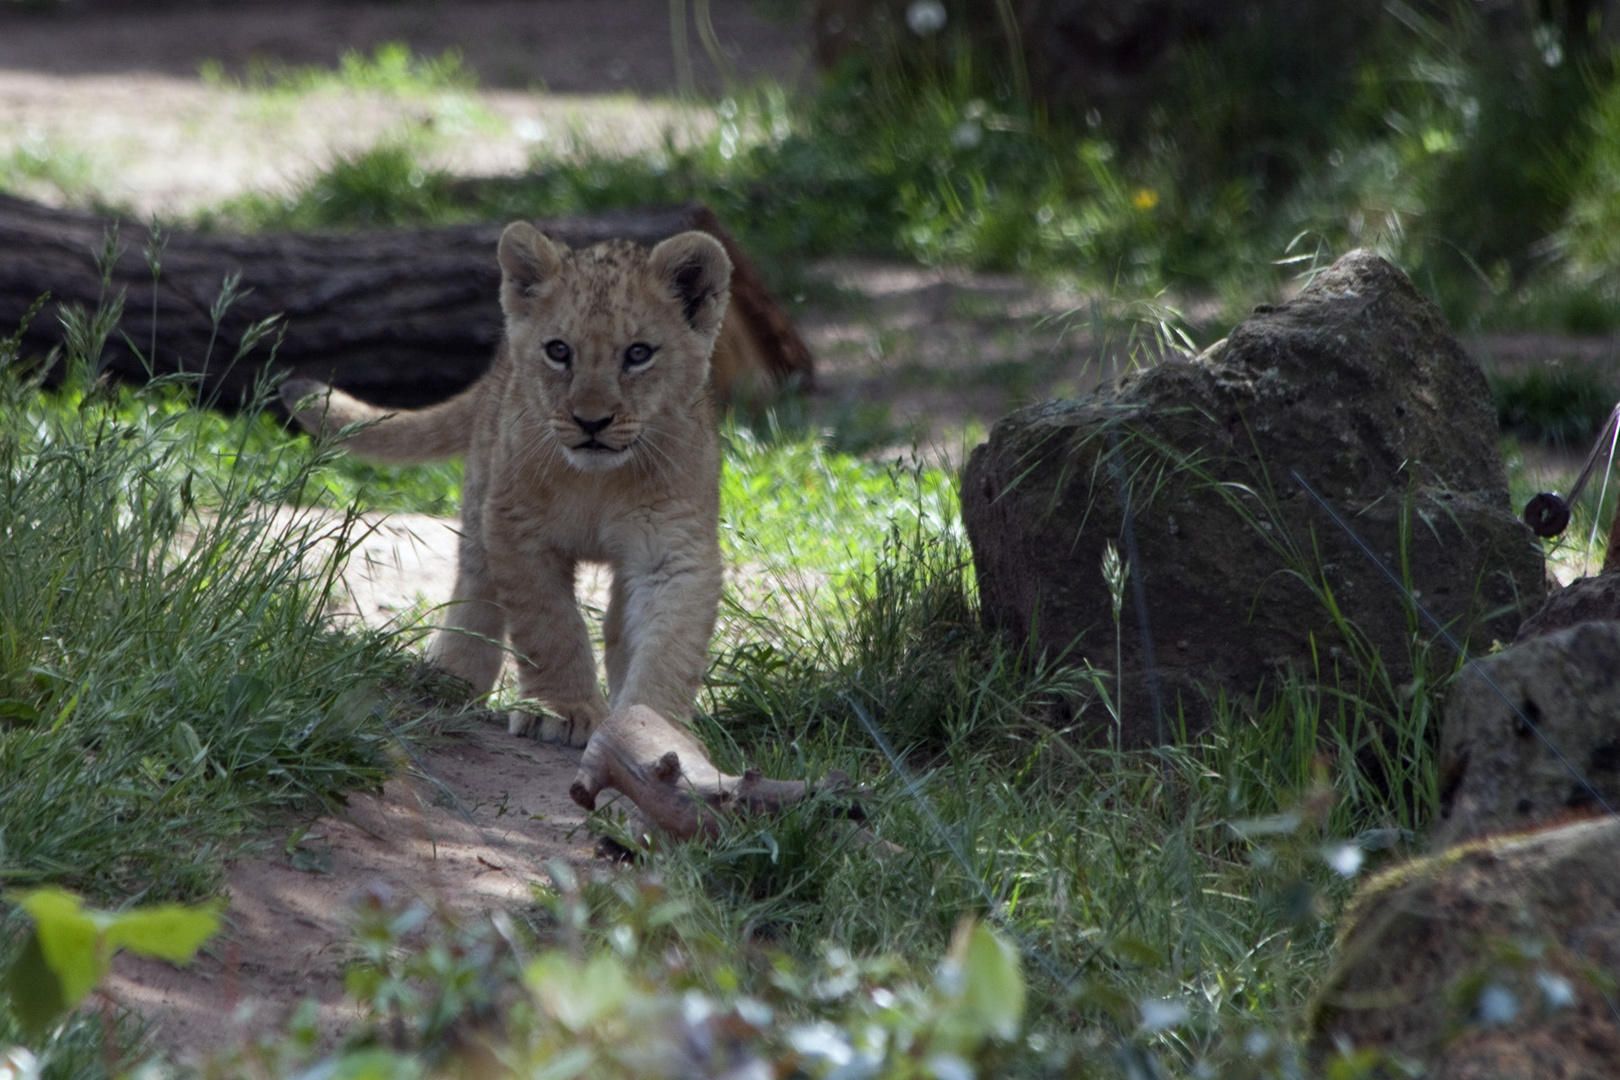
(471, 643)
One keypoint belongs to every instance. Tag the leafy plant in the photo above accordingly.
(430, 990)
(71, 948)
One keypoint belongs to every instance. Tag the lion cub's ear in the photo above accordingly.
(697, 272)
(528, 260)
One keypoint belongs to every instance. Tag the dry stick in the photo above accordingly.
(667, 773)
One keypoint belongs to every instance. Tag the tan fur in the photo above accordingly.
(597, 459)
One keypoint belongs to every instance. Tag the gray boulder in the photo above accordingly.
(1496, 773)
(1483, 961)
(1358, 387)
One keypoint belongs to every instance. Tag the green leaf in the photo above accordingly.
(1138, 951)
(34, 990)
(74, 945)
(172, 932)
(187, 747)
(567, 1065)
(17, 709)
(578, 997)
(245, 695)
(1275, 825)
(69, 938)
(373, 1065)
(993, 993)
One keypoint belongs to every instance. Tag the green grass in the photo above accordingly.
(169, 678)
(138, 682)
(286, 463)
(165, 651)
(50, 168)
(391, 69)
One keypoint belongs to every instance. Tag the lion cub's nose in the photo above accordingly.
(591, 427)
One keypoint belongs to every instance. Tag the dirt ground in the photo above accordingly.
(104, 96)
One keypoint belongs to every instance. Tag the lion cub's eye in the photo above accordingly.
(638, 355)
(558, 352)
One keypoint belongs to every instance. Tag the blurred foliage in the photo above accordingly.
(1564, 404)
(1482, 156)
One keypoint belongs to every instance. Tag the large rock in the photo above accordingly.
(1587, 599)
(1358, 387)
(1496, 773)
(1484, 961)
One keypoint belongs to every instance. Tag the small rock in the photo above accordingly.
(1496, 772)
(1478, 963)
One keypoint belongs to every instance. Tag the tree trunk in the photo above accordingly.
(402, 317)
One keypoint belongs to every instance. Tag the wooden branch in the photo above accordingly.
(397, 317)
(667, 773)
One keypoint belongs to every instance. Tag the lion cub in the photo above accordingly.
(591, 438)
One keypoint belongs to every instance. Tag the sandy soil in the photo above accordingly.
(936, 355)
(160, 145)
(467, 827)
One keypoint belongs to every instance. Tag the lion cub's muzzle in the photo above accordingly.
(600, 446)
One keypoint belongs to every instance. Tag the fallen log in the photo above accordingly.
(667, 773)
(399, 317)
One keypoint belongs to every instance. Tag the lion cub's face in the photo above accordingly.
(612, 343)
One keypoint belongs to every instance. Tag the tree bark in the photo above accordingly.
(401, 317)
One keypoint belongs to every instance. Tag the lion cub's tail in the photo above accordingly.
(395, 437)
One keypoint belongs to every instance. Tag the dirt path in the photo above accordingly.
(561, 46)
(467, 826)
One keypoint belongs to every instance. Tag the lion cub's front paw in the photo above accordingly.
(519, 723)
(568, 728)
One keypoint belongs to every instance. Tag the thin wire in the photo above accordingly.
(1612, 424)
(1611, 429)
(991, 904)
(1451, 640)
